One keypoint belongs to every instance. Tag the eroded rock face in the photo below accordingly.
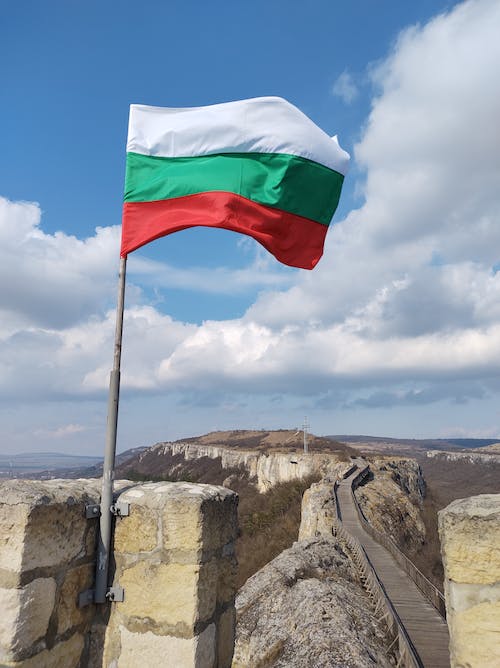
(266, 468)
(319, 511)
(307, 608)
(391, 501)
(469, 530)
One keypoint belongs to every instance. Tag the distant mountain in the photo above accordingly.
(407, 445)
(36, 462)
(57, 465)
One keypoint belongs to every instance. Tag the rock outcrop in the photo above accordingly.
(391, 500)
(319, 510)
(470, 544)
(307, 608)
(267, 469)
(479, 456)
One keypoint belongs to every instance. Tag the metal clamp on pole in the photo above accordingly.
(120, 509)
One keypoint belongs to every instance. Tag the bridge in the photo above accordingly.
(419, 624)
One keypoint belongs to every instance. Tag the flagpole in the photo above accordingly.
(104, 544)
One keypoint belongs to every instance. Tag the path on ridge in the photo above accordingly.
(425, 626)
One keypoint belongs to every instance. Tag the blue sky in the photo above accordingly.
(394, 333)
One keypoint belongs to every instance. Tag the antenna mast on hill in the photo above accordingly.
(305, 427)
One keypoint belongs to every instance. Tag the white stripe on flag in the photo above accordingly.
(258, 125)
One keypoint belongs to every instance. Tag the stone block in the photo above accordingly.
(25, 615)
(13, 521)
(227, 575)
(226, 627)
(199, 517)
(470, 539)
(193, 517)
(46, 520)
(68, 613)
(469, 530)
(169, 594)
(138, 532)
(159, 651)
(475, 636)
(65, 654)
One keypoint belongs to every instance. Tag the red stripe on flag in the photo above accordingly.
(293, 240)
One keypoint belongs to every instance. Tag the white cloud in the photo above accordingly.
(345, 88)
(52, 279)
(403, 309)
(60, 432)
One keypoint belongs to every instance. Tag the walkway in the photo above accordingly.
(425, 626)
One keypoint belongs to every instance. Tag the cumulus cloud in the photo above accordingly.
(59, 279)
(404, 308)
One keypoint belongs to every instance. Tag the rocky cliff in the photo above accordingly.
(391, 500)
(266, 468)
(479, 456)
(307, 607)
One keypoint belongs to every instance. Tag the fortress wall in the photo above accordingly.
(47, 552)
(174, 557)
(470, 545)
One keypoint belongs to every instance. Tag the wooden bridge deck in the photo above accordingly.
(428, 631)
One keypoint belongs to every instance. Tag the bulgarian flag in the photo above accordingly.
(259, 167)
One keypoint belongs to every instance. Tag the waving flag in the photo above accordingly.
(259, 167)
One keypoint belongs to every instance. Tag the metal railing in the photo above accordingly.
(407, 655)
(430, 591)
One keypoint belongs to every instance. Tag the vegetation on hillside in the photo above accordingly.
(269, 523)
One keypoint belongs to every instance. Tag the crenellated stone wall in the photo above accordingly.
(174, 557)
(47, 552)
(469, 530)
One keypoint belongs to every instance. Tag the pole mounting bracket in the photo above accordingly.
(120, 509)
(115, 594)
(92, 510)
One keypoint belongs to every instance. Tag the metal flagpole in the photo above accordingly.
(103, 549)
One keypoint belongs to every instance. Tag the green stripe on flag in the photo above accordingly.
(287, 182)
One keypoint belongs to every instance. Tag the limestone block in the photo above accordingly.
(38, 511)
(13, 521)
(65, 654)
(470, 539)
(196, 522)
(470, 545)
(227, 575)
(475, 636)
(169, 594)
(25, 615)
(157, 651)
(193, 517)
(225, 638)
(137, 532)
(68, 613)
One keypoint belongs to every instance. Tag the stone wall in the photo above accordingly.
(47, 552)
(470, 544)
(174, 557)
